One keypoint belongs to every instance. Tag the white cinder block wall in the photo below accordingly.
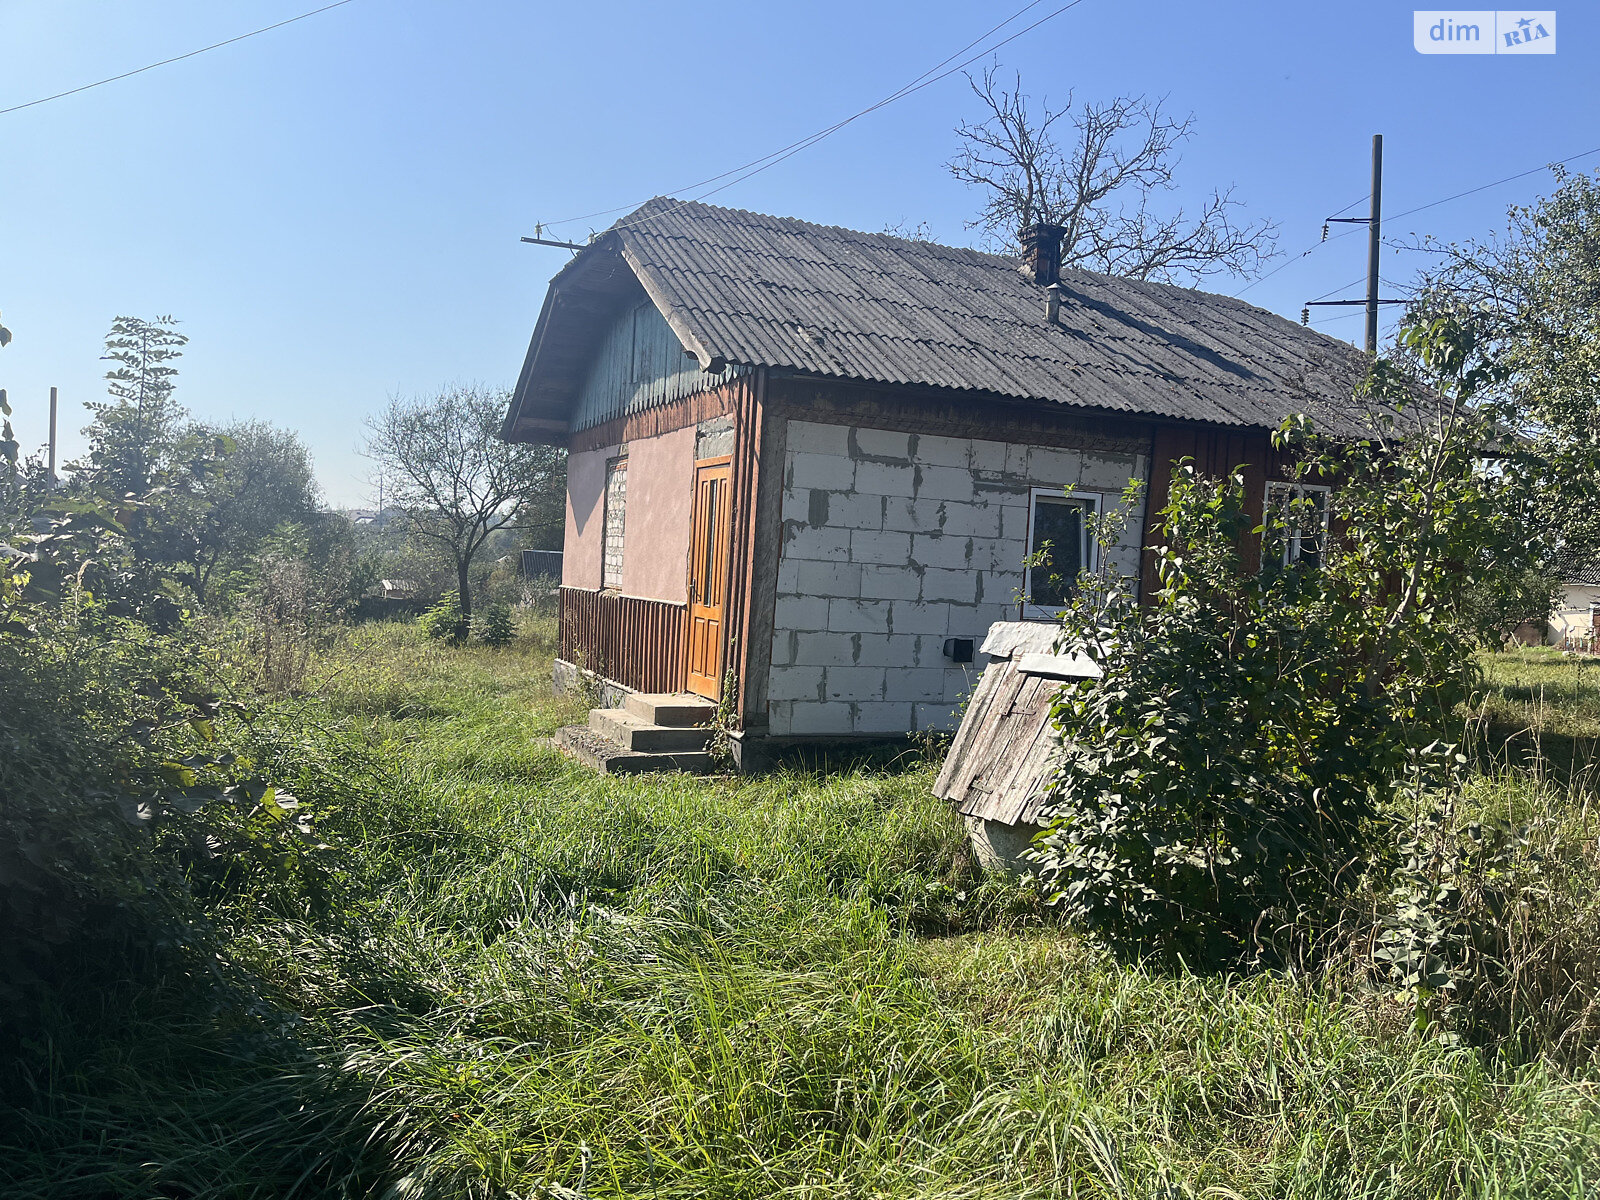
(893, 542)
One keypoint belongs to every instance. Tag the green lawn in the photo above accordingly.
(536, 981)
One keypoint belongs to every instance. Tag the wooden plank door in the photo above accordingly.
(708, 576)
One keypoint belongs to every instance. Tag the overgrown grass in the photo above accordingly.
(535, 981)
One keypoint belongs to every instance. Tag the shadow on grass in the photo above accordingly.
(1566, 759)
(896, 756)
(173, 1093)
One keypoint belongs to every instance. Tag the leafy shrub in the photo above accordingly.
(494, 626)
(130, 793)
(1229, 760)
(444, 622)
(129, 784)
(1221, 782)
(1487, 921)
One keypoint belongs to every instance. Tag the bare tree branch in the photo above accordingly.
(1100, 185)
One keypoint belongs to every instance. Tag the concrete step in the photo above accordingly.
(670, 708)
(608, 758)
(631, 733)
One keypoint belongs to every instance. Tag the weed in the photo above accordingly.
(536, 979)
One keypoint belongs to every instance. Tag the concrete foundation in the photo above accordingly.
(570, 677)
(999, 847)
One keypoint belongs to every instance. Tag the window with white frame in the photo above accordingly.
(615, 522)
(1061, 546)
(1297, 531)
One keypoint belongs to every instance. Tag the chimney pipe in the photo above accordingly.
(1052, 303)
(1041, 253)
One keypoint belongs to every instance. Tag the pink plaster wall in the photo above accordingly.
(586, 519)
(655, 547)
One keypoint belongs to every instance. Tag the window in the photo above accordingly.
(1060, 547)
(616, 514)
(1297, 531)
(706, 590)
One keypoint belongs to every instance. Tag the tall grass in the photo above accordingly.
(539, 982)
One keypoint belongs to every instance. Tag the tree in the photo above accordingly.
(8, 441)
(209, 494)
(228, 488)
(132, 435)
(1101, 187)
(446, 466)
(1532, 298)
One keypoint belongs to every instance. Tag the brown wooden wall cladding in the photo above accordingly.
(717, 401)
(1216, 452)
(637, 643)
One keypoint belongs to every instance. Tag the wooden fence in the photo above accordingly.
(637, 643)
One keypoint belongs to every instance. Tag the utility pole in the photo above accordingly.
(1374, 239)
(1374, 224)
(52, 475)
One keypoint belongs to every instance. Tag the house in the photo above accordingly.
(1576, 619)
(540, 564)
(807, 464)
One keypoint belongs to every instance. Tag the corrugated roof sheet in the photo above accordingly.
(784, 293)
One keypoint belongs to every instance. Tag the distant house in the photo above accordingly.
(1576, 619)
(540, 564)
(399, 589)
(809, 463)
(374, 518)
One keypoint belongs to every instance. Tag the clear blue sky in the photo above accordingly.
(332, 208)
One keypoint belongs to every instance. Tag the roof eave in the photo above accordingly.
(517, 426)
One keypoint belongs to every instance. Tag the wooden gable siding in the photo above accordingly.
(670, 415)
(640, 364)
(1217, 452)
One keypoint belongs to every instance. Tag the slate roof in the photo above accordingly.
(1578, 570)
(783, 293)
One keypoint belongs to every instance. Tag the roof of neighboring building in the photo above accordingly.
(1578, 570)
(746, 289)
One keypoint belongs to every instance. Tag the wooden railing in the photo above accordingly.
(637, 643)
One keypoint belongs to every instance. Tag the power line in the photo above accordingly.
(1409, 212)
(1302, 254)
(606, 212)
(927, 79)
(1485, 187)
(178, 58)
(1362, 278)
(1348, 207)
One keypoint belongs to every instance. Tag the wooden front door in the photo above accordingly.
(708, 575)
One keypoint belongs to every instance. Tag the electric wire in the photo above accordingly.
(926, 79)
(176, 58)
(1358, 279)
(606, 212)
(1560, 162)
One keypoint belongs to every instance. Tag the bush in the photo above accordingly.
(1224, 771)
(444, 622)
(1232, 774)
(494, 627)
(132, 796)
(1488, 919)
